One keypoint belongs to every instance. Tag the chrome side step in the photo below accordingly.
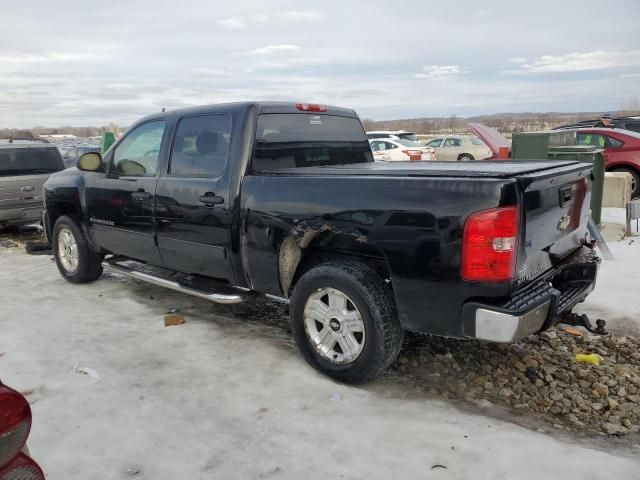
(163, 282)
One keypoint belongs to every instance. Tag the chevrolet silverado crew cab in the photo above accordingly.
(285, 200)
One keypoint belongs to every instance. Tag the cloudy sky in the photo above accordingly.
(87, 62)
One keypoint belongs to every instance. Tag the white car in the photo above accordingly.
(459, 148)
(400, 150)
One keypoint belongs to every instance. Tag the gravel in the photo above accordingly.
(538, 375)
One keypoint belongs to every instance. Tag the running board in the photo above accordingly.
(163, 282)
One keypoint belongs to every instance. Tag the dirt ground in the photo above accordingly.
(116, 394)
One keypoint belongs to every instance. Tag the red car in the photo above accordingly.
(15, 424)
(621, 150)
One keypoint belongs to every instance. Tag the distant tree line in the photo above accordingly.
(503, 122)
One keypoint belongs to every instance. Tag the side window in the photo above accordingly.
(453, 142)
(434, 143)
(138, 153)
(377, 146)
(201, 146)
(592, 139)
(614, 142)
(389, 146)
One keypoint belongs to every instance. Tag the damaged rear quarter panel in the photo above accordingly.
(416, 223)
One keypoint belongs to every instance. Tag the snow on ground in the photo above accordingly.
(223, 398)
(617, 294)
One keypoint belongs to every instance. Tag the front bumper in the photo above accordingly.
(538, 305)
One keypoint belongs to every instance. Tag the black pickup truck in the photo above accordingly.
(285, 200)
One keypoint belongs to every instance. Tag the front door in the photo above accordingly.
(192, 210)
(120, 204)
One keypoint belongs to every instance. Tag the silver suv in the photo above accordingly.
(24, 167)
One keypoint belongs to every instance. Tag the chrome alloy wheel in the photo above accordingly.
(334, 325)
(67, 250)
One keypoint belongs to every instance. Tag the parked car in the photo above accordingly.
(24, 166)
(400, 150)
(459, 148)
(71, 156)
(285, 200)
(621, 123)
(15, 425)
(392, 134)
(621, 150)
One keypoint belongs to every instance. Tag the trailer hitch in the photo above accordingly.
(583, 321)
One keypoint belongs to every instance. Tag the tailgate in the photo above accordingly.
(21, 191)
(556, 211)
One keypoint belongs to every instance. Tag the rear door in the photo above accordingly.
(192, 210)
(120, 204)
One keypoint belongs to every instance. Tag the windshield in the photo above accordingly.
(294, 140)
(408, 143)
(28, 161)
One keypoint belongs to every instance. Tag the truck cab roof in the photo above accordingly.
(264, 107)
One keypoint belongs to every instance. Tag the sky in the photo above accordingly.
(78, 62)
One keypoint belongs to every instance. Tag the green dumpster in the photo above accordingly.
(588, 154)
(108, 138)
(535, 145)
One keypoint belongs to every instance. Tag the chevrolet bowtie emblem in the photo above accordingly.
(564, 222)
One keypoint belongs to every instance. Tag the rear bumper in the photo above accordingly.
(538, 305)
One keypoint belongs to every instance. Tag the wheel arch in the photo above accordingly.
(299, 254)
(57, 210)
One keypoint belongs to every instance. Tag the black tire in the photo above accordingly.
(374, 300)
(89, 263)
(636, 179)
(465, 157)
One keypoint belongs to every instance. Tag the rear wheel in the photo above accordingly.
(465, 157)
(635, 179)
(76, 260)
(345, 322)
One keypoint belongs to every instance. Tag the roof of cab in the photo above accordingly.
(263, 107)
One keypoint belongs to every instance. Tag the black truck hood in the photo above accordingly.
(476, 169)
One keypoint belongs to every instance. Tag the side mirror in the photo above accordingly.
(90, 162)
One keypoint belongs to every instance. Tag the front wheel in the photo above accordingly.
(76, 260)
(344, 321)
(465, 157)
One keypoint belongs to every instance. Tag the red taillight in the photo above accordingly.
(22, 468)
(15, 423)
(490, 245)
(311, 107)
(413, 154)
